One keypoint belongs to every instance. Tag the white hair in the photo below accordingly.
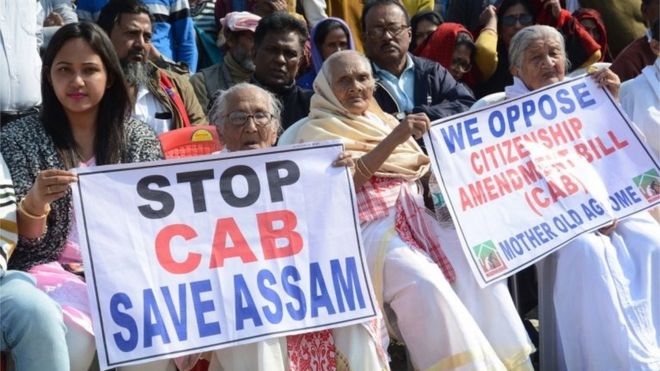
(342, 55)
(523, 38)
(219, 109)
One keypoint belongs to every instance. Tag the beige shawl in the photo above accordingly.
(328, 119)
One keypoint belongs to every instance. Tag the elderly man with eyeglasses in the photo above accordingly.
(406, 84)
(248, 117)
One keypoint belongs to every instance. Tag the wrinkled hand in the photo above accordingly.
(50, 185)
(606, 78)
(414, 124)
(54, 19)
(488, 16)
(344, 159)
(554, 6)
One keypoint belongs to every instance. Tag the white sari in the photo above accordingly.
(607, 294)
(445, 326)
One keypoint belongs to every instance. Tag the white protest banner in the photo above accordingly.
(524, 177)
(189, 255)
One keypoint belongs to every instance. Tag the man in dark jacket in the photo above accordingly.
(278, 49)
(405, 83)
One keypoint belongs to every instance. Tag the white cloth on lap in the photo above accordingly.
(607, 298)
(430, 318)
(491, 307)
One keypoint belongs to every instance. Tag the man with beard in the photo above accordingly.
(237, 65)
(278, 49)
(163, 99)
(405, 83)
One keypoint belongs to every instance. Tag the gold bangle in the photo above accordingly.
(21, 207)
(366, 169)
(357, 168)
(364, 172)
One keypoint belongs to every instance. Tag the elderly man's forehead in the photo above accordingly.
(248, 94)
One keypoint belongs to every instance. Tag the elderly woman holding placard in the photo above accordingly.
(607, 287)
(414, 277)
(248, 117)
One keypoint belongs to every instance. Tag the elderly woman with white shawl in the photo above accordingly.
(411, 273)
(607, 288)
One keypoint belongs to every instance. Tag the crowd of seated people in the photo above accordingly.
(96, 82)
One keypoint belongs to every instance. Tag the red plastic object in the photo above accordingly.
(190, 141)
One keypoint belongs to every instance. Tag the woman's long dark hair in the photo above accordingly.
(114, 107)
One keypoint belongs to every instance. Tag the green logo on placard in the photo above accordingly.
(648, 184)
(489, 258)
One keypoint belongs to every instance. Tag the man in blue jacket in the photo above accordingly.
(406, 84)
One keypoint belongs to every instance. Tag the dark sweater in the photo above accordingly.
(27, 149)
(295, 101)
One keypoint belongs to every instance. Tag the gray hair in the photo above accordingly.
(523, 38)
(325, 69)
(219, 109)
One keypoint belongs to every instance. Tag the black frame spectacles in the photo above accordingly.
(240, 118)
(511, 20)
(392, 29)
(461, 65)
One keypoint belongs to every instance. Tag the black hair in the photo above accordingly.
(114, 107)
(465, 39)
(428, 15)
(506, 4)
(376, 3)
(655, 30)
(113, 10)
(280, 21)
(324, 28)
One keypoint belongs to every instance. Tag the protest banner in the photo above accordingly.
(183, 256)
(523, 177)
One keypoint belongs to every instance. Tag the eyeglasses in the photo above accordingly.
(461, 65)
(523, 19)
(393, 29)
(240, 118)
